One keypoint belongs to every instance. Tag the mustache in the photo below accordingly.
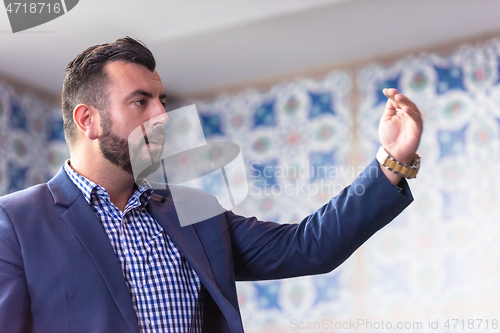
(157, 131)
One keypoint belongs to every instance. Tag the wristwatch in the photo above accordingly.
(399, 168)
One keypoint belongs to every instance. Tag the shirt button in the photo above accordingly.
(132, 251)
(147, 321)
(139, 284)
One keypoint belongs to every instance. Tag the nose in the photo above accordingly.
(158, 114)
(161, 119)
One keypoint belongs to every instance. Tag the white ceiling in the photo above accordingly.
(202, 45)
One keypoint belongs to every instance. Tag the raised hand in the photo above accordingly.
(400, 127)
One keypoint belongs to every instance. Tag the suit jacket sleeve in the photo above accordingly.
(324, 239)
(14, 297)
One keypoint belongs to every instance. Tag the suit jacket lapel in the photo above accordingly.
(81, 218)
(188, 243)
(185, 239)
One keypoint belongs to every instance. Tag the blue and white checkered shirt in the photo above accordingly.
(163, 286)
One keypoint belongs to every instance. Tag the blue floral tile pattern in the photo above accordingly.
(303, 141)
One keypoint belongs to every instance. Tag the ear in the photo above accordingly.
(87, 120)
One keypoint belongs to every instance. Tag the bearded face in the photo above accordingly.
(146, 149)
(113, 147)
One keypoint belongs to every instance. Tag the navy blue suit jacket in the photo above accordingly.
(59, 273)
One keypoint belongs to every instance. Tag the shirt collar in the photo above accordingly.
(91, 190)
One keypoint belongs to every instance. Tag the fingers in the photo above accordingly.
(398, 102)
(391, 93)
(399, 99)
(390, 109)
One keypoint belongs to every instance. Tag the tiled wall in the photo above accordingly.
(32, 146)
(304, 140)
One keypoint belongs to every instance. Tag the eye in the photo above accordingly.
(140, 102)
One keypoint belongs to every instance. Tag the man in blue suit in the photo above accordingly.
(91, 251)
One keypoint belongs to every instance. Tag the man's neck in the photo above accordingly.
(118, 183)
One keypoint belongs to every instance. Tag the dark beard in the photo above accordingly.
(114, 148)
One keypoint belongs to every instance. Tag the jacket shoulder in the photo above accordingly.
(25, 198)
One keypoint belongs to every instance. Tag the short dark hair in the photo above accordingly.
(86, 80)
